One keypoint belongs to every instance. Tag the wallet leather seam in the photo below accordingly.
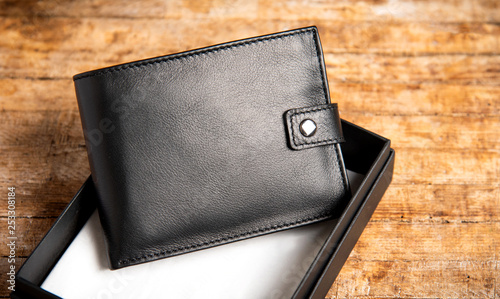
(219, 240)
(197, 53)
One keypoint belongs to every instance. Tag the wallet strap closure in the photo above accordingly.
(314, 126)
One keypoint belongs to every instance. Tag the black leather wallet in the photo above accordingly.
(214, 145)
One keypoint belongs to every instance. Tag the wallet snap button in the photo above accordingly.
(307, 127)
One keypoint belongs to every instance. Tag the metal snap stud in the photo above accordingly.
(307, 127)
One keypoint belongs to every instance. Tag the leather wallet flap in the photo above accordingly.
(313, 126)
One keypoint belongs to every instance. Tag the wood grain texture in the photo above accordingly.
(424, 74)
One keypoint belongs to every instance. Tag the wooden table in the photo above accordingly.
(425, 75)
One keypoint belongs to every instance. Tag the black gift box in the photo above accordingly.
(364, 153)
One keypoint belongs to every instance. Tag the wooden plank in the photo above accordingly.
(433, 69)
(155, 9)
(415, 99)
(83, 44)
(386, 11)
(43, 155)
(408, 11)
(410, 39)
(439, 203)
(446, 166)
(429, 240)
(41, 129)
(45, 198)
(44, 168)
(29, 232)
(35, 94)
(473, 132)
(417, 279)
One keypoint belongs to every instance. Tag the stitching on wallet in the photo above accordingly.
(196, 53)
(319, 142)
(219, 240)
